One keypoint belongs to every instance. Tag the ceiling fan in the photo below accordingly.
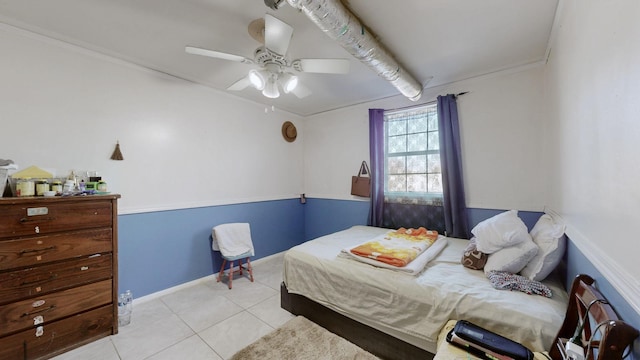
(274, 67)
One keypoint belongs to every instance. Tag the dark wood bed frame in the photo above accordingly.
(374, 341)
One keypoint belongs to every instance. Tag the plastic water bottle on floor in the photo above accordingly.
(125, 308)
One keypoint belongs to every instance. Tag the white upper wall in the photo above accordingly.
(593, 134)
(184, 145)
(501, 129)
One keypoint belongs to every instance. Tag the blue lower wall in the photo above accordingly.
(158, 250)
(324, 216)
(477, 215)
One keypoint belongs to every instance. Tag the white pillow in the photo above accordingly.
(551, 242)
(511, 259)
(501, 231)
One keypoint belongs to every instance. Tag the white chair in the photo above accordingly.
(234, 243)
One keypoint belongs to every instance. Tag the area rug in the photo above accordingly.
(302, 339)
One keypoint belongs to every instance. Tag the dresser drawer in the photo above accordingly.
(59, 336)
(20, 284)
(42, 249)
(26, 314)
(45, 217)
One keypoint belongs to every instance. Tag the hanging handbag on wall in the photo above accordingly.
(361, 185)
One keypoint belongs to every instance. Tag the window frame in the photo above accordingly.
(411, 196)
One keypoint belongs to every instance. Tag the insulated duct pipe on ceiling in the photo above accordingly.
(343, 26)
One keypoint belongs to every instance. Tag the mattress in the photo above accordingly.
(415, 308)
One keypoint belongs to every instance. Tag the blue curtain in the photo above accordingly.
(455, 210)
(376, 153)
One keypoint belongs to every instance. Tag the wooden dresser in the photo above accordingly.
(58, 273)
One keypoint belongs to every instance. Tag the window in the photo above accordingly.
(412, 156)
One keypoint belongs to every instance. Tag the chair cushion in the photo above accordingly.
(238, 257)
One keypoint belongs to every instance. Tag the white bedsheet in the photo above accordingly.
(415, 308)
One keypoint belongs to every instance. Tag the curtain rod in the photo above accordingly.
(417, 106)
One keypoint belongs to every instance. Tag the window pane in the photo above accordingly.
(417, 164)
(397, 183)
(433, 121)
(433, 163)
(397, 144)
(417, 183)
(417, 124)
(397, 127)
(434, 140)
(412, 146)
(435, 183)
(396, 165)
(417, 142)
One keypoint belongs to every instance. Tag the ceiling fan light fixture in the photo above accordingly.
(257, 79)
(289, 82)
(271, 87)
(271, 77)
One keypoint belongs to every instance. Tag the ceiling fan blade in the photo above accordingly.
(217, 54)
(240, 84)
(325, 66)
(301, 91)
(277, 34)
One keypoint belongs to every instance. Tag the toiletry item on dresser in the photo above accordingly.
(25, 187)
(57, 186)
(102, 186)
(69, 186)
(93, 180)
(41, 187)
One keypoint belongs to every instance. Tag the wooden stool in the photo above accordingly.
(232, 271)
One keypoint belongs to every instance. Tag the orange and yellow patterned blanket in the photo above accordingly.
(399, 247)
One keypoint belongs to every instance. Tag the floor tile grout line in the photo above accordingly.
(209, 346)
(169, 346)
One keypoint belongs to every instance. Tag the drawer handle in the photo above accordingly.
(38, 311)
(26, 251)
(53, 276)
(26, 220)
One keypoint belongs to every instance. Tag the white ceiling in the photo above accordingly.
(448, 40)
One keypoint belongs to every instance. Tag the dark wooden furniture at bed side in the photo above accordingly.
(372, 340)
(58, 273)
(617, 335)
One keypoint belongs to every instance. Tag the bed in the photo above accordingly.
(395, 315)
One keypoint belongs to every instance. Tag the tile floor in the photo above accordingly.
(203, 321)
